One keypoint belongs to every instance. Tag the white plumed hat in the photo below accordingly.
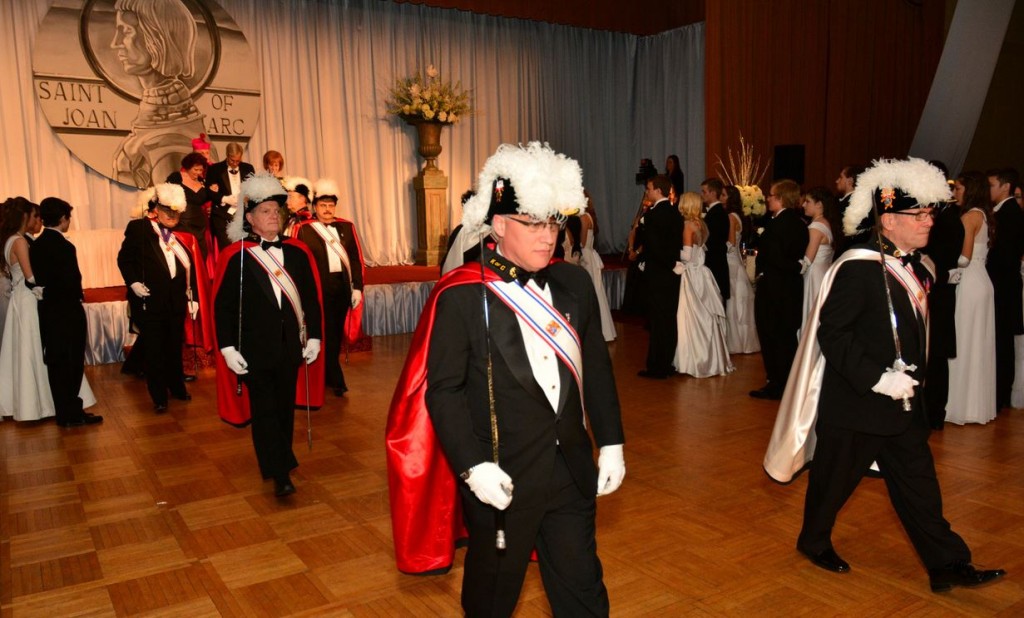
(532, 180)
(892, 185)
(299, 185)
(255, 190)
(325, 187)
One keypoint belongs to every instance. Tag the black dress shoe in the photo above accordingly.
(283, 487)
(189, 378)
(961, 573)
(340, 390)
(91, 419)
(652, 375)
(766, 393)
(160, 407)
(828, 559)
(182, 396)
(79, 421)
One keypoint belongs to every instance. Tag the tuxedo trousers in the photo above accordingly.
(337, 300)
(1006, 322)
(561, 528)
(841, 458)
(778, 312)
(161, 355)
(63, 335)
(272, 406)
(662, 304)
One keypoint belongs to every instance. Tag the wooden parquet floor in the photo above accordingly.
(167, 516)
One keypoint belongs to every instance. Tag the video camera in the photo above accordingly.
(645, 172)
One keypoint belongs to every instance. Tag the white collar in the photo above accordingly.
(1000, 204)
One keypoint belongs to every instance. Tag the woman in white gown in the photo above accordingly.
(24, 388)
(581, 251)
(822, 208)
(972, 374)
(741, 332)
(701, 350)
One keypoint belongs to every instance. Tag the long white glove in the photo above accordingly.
(895, 384)
(235, 362)
(804, 264)
(955, 275)
(357, 298)
(139, 289)
(491, 485)
(37, 291)
(193, 309)
(686, 254)
(311, 351)
(611, 469)
(963, 261)
(679, 268)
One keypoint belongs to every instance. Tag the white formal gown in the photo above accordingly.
(590, 261)
(972, 374)
(1017, 393)
(816, 272)
(701, 349)
(741, 332)
(24, 387)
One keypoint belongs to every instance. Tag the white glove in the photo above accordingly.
(311, 351)
(357, 298)
(641, 266)
(611, 469)
(230, 200)
(963, 261)
(139, 289)
(686, 254)
(235, 362)
(37, 291)
(804, 264)
(193, 309)
(895, 384)
(679, 268)
(491, 485)
(954, 276)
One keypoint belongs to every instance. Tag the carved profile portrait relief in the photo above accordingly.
(146, 78)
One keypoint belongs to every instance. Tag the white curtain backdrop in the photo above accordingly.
(606, 99)
(969, 56)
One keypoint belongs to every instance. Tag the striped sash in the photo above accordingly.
(276, 271)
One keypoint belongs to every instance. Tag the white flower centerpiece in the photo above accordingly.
(433, 99)
(746, 173)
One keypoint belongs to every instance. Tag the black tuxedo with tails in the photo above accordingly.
(218, 174)
(717, 221)
(160, 317)
(945, 241)
(661, 228)
(62, 324)
(857, 426)
(271, 346)
(1003, 266)
(547, 452)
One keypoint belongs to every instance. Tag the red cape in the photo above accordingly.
(354, 318)
(426, 515)
(199, 334)
(234, 409)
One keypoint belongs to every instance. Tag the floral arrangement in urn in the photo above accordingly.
(415, 98)
(745, 172)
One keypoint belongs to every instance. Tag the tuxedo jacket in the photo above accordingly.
(945, 242)
(779, 250)
(717, 221)
(270, 333)
(217, 174)
(530, 431)
(1003, 265)
(856, 340)
(55, 267)
(318, 247)
(141, 259)
(661, 229)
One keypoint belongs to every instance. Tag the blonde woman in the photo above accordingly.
(701, 349)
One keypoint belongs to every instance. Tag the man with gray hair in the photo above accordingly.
(227, 177)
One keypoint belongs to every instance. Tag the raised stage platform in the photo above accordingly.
(394, 297)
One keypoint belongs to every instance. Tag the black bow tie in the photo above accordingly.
(909, 259)
(266, 244)
(232, 171)
(540, 277)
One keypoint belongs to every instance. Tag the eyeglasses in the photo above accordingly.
(920, 216)
(534, 226)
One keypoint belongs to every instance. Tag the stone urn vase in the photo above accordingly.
(428, 133)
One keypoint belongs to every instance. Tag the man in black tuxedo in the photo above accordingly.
(844, 185)
(332, 242)
(945, 243)
(279, 320)
(227, 177)
(158, 269)
(661, 228)
(542, 483)
(869, 410)
(62, 325)
(1004, 269)
(711, 193)
(779, 298)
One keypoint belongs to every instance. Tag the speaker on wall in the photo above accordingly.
(789, 163)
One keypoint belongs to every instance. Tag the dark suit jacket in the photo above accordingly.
(528, 427)
(717, 221)
(661, 229)
(55, 267)
(945, 242)
(319, 249)
(856, 339)
(1004, 265)
(217, 174)
(142, 259)
(270, 333)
